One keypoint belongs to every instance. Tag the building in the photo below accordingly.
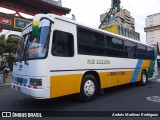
(121, 23)
(16, 22)
(152, 30)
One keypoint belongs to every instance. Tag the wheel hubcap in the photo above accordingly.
(144, 78)
(89, 88)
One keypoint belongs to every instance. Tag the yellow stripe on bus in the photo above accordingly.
(69, 84)
(64, 85)
(145, 65)
(111, 79)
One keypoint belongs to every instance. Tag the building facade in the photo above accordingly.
(152, 30)
(30, 7)
(121, 23)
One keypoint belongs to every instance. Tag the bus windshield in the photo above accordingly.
(36, 48)
(19, 45)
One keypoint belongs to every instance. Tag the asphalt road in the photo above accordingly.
(122, 98)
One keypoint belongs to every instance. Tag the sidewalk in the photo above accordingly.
(8, 80)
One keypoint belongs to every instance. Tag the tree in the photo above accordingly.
(1, 46)
(10, 49)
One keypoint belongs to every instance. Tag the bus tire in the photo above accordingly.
(144, 78)
(88, 89)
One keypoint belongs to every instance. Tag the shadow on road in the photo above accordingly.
(47, 104)
(63, 103)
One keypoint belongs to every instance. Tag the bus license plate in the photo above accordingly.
(18, 89)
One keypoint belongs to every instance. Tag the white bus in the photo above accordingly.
(62, 57)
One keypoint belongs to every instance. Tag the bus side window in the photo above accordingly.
(141, 51)
(150, 53)
(130, 49)
(63, 44)
(109, 43)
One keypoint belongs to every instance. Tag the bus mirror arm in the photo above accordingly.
(26, 63)
(15, 63)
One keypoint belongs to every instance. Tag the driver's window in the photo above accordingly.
(63, 44)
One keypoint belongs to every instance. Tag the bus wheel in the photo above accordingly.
(144, 78)
(89, 88)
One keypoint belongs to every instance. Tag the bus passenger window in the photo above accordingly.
(62, 44)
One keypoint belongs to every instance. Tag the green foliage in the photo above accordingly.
(12, 44)
(11, 48)
(1, 45)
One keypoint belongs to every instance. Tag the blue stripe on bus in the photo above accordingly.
(136, 71)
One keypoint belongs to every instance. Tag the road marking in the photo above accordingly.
(153, 98)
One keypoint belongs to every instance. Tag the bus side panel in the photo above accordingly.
(141, 64)
(123, 77)
(151, 68)
(64, 82)
(145, 65)
(115, 78)
(64, 85)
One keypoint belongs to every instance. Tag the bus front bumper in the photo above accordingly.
(35, 93)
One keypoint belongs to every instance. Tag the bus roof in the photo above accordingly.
(53, 16)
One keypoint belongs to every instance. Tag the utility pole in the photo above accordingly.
(114, 6)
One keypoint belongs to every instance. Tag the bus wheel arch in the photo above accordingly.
(96, 75)
(90, 86)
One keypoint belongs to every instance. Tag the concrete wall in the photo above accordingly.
(153, 20)
(153, 36)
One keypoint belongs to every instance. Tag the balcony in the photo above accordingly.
(151, 28)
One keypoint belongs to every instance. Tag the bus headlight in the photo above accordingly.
(35, 82)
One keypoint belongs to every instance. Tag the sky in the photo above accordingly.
(88, 11)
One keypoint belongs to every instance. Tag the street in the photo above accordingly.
(123, 98)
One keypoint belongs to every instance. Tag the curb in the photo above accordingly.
(4, 85)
